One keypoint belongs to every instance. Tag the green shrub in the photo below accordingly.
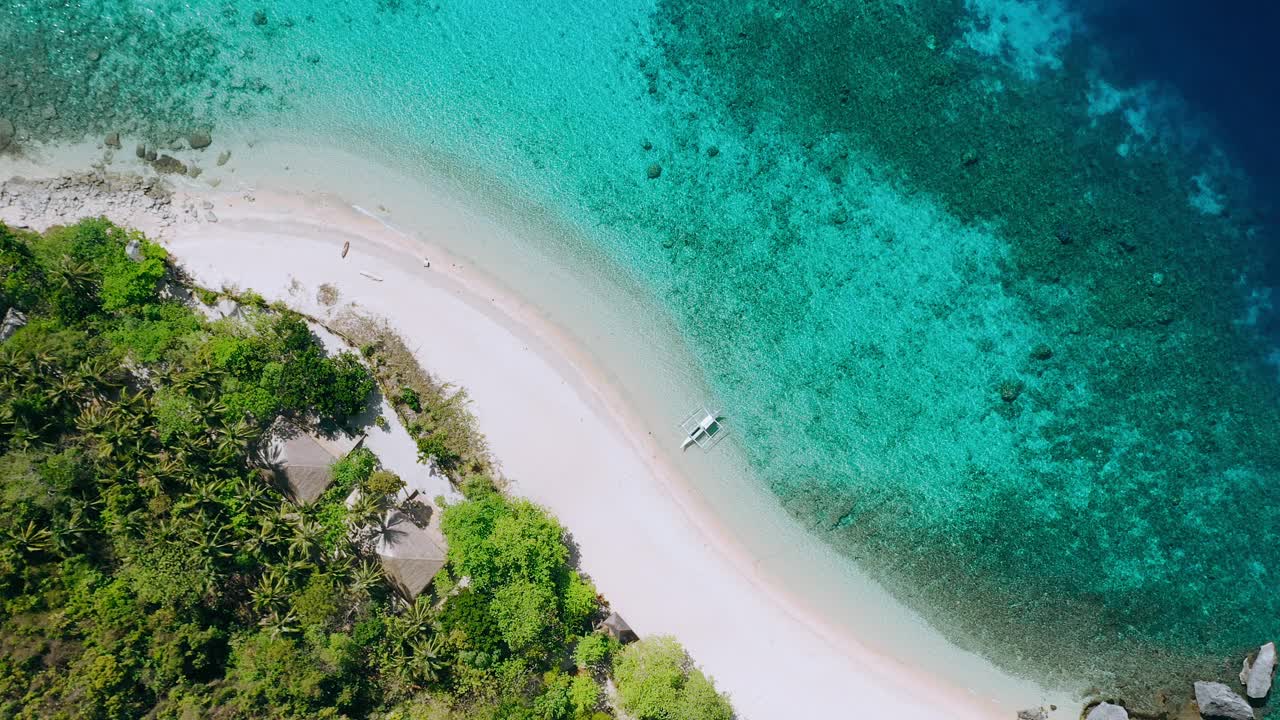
(21, 278)
(176, 414)
(525, 613)
(253, 300)
(554, 703)
(593, 651)
(353, 470)
(655, 682)
(435, 446)
(317, 604)
(584, 695)
(409, 398)
(382, 483)
(206, 296)
(128, 284)
(347, 389)
(580, 603)
(155, 331)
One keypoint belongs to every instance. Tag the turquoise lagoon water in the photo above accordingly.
(983, 317)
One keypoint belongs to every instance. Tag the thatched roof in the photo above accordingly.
(411, 553)
(617, 627)
(303, 459)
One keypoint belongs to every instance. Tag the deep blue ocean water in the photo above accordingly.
(982, 284)
(1222, 57)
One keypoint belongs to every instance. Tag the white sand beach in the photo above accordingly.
(774, 628)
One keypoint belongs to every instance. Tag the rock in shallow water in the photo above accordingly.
(1218, 701)
(168, 164)
(1033, 714)
(1107, 711)
(7, 131)
(200, 140)
(1259, 680)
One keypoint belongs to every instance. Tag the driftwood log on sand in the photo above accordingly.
(345, 247)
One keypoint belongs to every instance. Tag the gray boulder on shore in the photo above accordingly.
(1107, 711)
(1033, 714)
(1258, 683)
(1218, 701)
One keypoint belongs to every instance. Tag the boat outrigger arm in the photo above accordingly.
(702, 428)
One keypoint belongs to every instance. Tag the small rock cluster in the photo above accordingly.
(1214, 700)
(1218, 701)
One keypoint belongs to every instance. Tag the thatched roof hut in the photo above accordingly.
(411, 552)
(303, 460)
(617, 628)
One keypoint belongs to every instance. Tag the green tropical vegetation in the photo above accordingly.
(149, 566)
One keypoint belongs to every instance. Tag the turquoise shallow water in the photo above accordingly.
(1013, 371)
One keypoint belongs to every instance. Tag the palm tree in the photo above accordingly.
(306, 540)
(8, 419)
(366, 576)
(271, 590)
(338, 564)
(198, 382)
(166, 467)
(66, 389)
(76, 277)
(262, 538)
(239, 434)
(10, 363)
(209, 541)
(418, 618)
(365, 511)
(68, 536)
(202, 494)
(31, 538)
(286, 624)
(294, 567)
(251, 494)
(424, 663)
(98, 374)
(92, 418)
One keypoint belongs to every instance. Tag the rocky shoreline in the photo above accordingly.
(1212, 700)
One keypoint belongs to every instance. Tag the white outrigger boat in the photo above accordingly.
(702, 428)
